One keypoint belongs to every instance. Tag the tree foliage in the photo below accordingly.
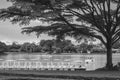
(47, 45)
(56, 46)
(3, 47)
(28, 47)
(116, 45)
(15, 46)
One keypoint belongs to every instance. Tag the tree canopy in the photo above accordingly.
(67, 17)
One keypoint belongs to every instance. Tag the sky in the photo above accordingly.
(12, 33)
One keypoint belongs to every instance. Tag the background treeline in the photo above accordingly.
(55, 47)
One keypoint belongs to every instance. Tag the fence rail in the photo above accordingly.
(38, 65)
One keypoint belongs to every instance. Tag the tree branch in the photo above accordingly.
(100, 38)
(16, 13)
(104, 12)
(117, 39)
(116, 17)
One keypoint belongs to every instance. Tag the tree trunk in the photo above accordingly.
(50, 49)
(109, 64)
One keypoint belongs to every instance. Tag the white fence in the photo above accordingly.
(22, 64)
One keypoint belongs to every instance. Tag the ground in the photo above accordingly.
(56, 75)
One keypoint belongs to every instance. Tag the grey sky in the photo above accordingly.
(10, 32)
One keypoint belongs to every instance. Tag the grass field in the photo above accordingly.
(58, 75)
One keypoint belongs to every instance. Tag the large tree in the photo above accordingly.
(92, 18)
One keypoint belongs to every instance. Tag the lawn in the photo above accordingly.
(58, 75)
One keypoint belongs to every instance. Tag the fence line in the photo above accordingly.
(37, 64)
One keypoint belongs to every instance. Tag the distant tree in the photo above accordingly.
(62, 44)
(24, 47)
(116, 45)
(3, 47)
(42, 43)
(57, 50)
(28, 47)
(70, 49)
(47, 45)
(38, 48)
(33, 47)
(56, 46)
(14, 47)
(90, 46)
(100, 19)
(83, 47)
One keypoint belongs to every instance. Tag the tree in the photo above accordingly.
(56, 46)
(70, 49)
(3, 47)
(83, 47)
(93, 18)
(28, 47)
(24, 47)
(47, 45)
(116, 45)
(14, 47)
(61, 44)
